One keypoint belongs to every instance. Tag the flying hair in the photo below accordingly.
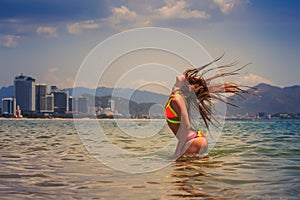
(207, 91)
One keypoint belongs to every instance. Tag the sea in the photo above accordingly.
(48, 159)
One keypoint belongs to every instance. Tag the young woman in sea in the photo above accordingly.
(192, 91)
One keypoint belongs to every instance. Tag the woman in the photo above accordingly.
(192, 91)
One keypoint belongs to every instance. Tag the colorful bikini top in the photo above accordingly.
(170, 113)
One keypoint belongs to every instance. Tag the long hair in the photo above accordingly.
(207, 92)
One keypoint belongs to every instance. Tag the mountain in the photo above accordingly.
(138, 96)
(6, 92)
(268, 99)
(127, 107)
(128, 102)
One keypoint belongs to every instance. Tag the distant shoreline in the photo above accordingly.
(119, 119)
(41, 119)
(69, 119)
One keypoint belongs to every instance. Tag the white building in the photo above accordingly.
(9, 106)
(112, 105)
(82, 105)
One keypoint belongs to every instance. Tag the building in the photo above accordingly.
(9, 107)
(53, 88)
(47, 103)
(92, 110)
(112, 105)
(61, 101)
(40, 97)
(50, 103)
(44, 102)
(24, 87)
(82, 104)
(71, 106)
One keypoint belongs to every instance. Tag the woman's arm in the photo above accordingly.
(184, 128)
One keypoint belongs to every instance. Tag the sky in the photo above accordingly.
(50, 39)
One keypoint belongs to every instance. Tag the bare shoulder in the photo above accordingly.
(176, 100)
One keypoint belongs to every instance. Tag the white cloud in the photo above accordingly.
(123, 17)
(53, 78)
(9, 40)
(178, 10)
(53, 70)
(226, 6)
(251, 79)
(47, 31)
(124, 12)
(77, 27)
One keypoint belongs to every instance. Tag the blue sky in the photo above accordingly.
(49, 39)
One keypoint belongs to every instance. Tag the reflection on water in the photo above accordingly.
(188, 178)
(252, 160)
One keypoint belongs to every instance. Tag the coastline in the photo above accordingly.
(31, 119)
(72, 119)
(126, 119)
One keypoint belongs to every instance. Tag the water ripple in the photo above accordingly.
(252, 160)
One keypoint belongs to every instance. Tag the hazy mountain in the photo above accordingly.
(127, 101)
(138, 96)
(269, 99)
(6, 92)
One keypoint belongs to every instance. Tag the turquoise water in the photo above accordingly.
(252, 160)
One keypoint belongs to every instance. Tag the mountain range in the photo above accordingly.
(138, 96)
(267, 98)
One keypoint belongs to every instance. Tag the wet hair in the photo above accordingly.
(207, 92)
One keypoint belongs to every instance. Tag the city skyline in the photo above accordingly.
(38, 39)
(30, 97)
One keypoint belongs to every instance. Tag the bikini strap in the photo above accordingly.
(173, 121)
(200, 134)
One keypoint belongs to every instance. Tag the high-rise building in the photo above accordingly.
(49, 103)
(9, 106)
(43, 104)
(61, 101)
(72, 104)
(112, 105)
(25, 92)
(82, 104)
(40, 97)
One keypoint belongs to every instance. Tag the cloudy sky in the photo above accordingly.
(49, 39)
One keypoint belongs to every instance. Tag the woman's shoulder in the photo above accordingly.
(177, 97)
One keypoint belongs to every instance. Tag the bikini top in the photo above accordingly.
(170, 113)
